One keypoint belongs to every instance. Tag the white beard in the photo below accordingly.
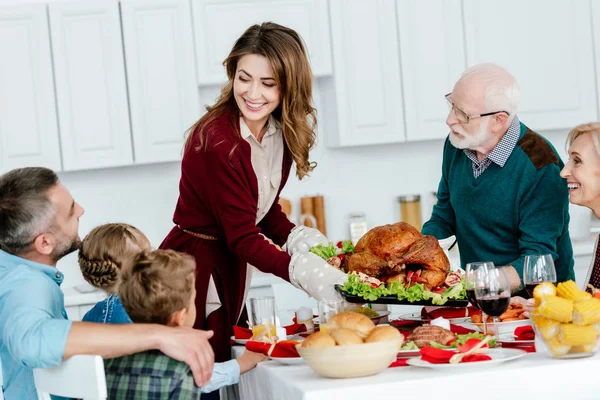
(471, 142)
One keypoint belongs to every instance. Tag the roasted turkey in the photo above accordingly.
(389, 252)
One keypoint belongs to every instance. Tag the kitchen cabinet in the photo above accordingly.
(547, 46)
(363, 100)
(218, 24)
(432, 58)
(28, 125)
(91, 90)
(161, 76)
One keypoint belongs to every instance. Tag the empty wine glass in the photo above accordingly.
(492, 291)
(471, 278)
(538, 268)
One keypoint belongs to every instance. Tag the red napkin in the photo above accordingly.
(441, 356)
(242, 333)
(448, 312)
(460, 330)
(294, 329)
(283, 349)
(400, 362)
(525, 333)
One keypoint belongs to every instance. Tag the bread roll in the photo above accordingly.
(383, 333)
(343, 336)
(319, 339)
(351, 320)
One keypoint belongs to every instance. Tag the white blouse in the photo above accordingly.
(267, 161)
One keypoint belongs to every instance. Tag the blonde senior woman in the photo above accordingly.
(582, 175)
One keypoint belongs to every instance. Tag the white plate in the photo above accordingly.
(417, 317)
(408, 353)
(239, 341)
(504, 328)
(498, 356)
(513, 340)
(289, 360)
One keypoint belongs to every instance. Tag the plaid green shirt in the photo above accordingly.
(149, 375)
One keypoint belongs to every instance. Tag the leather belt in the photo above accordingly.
(199, 235)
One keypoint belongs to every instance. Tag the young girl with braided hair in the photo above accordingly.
(102, 254)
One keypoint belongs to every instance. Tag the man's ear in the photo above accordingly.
(499, 121)
(44, 243)
(178, 317)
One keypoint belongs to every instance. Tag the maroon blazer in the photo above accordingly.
(218, 196)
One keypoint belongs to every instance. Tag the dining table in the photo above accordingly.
(533, 376)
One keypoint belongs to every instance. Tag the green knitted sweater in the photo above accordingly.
(507, 212)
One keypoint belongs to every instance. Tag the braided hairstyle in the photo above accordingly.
(105, 250)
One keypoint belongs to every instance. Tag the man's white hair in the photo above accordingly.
(502, 91)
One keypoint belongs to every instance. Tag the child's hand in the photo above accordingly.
(248, 361)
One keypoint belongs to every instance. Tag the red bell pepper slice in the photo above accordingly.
(469, 344)
(435, 355)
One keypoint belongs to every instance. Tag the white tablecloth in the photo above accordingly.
(530, 377)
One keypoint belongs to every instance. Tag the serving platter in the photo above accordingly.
(394, 300)
(498, 356)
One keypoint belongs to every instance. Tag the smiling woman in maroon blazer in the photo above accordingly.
(236, 160)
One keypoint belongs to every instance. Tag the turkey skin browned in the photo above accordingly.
(388, 252)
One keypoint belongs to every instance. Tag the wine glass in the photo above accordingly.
(471, 278)
(538, 268)
(492, 292)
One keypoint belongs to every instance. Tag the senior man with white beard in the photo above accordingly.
(501, 192)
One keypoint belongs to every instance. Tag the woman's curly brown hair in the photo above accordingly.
(286, 53)
(105, 250)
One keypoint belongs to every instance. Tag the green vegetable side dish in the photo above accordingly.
(417, 292)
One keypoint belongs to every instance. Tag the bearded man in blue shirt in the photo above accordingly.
(39, 220)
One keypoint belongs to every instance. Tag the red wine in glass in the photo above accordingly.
(494, 305)
(472, 299)
(531, 285)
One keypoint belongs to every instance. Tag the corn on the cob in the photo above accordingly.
(557, 348)
(544, 289)
(574, 335)
(586, 312)
(569, 290)
(547, 327)
(556, 308)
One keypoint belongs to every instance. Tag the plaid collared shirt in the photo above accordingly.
(149, 375)
(499, 154)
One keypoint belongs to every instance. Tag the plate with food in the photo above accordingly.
(375, 315)
(511, 319)
(289, 360)
(498, 356)
(395, 264)
(421, 318)
(239, 341)
(438, 337)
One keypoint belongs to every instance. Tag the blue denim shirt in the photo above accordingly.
(33, 323)
(108, 311)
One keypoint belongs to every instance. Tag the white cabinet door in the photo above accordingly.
(366, 85)
(161, 76)
(90, 84)
(28, 126)
(433, 57)
(547, 46)
(218, 24)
